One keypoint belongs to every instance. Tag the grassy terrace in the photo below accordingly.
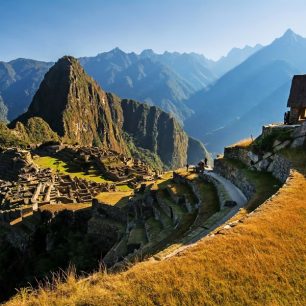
(60, 207)
(118, 198)
(258, 262)
(58, 165)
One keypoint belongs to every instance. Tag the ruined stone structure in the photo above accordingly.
(297, 100)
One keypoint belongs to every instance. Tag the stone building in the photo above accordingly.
(297, 100)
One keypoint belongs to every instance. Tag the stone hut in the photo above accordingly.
(297, 100)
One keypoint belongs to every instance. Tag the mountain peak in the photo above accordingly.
(147, 52)
(76, 108)
(67, 60)
(290, 36)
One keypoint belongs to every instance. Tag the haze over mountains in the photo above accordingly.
(217, 101)
(166, 80)
(251, 94)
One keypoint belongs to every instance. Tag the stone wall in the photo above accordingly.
(236, 176)
(223, 196)
(280, 168)
(246, 157)
(112, 212)
(299, 136)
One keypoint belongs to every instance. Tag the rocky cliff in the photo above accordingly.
(156, 131)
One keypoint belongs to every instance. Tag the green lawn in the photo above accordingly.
(58, 165)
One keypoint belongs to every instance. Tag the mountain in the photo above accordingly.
(235, 57)
(241, 94)
(193, 68)
(153, 83)
(74, 106)
(19, 80)
(165, 80)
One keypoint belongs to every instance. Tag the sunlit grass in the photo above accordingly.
(119, 198)
(62, 167)
(244, 143)
(60, 207)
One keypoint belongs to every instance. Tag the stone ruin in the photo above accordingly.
(111, 165)
(25, 188)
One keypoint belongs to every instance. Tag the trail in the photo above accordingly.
(234, 193)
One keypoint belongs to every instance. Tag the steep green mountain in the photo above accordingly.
(32, 131)
(239, 93)
(79, 111)
(76, 108)
(155, 130)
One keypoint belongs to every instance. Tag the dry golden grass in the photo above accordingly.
(244, 143)
(260, 261)
(60, 207)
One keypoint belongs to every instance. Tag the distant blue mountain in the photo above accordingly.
(166, 80)
(253, 93)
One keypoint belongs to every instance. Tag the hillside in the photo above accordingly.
(246, 89)
(80, 112)
(255, 259)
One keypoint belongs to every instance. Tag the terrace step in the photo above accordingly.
(153, 228)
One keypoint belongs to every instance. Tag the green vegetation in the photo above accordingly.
(11, 138)
(69, 169)
(118, 198)
(38, 131)
(150, 158)
(265, 143)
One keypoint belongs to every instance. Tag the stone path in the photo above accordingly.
(234, 192)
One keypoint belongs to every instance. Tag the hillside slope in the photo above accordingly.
(259, 261)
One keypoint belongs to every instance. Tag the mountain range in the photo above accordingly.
(165, 80)
(218, 102)
(252, 94)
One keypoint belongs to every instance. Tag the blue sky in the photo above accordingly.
(48, 29)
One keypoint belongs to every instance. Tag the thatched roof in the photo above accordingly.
(297, 96)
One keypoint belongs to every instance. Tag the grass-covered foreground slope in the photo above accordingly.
(260, 261)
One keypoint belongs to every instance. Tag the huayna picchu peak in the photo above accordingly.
(76, 108)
